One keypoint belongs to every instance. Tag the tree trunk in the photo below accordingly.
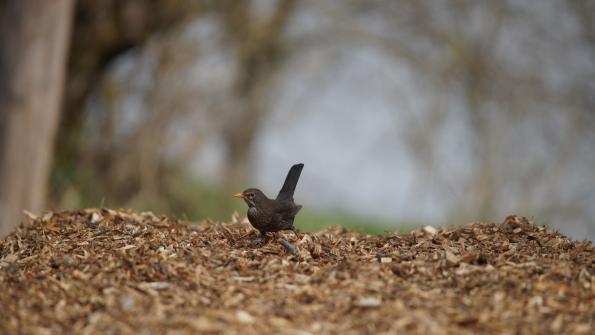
(34, 37)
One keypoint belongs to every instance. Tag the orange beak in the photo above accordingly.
(239, 195)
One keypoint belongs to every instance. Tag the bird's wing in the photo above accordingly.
(284, 207)
(285, 213)
(290, 183)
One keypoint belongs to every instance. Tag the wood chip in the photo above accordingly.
(245, 317)
(96, 217)
(430, 230)
(155, 285)
(96, 271)
(368, 302)
(9, 258)
(451, 258)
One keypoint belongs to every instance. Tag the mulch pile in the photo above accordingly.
(104, 271)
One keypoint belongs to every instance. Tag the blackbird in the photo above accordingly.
(272, 215)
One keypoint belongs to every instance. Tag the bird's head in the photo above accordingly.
(252, 196)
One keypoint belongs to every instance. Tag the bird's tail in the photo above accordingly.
(290, 183)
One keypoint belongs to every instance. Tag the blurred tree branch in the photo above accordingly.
(260, 46)
(456, 48)
(104, 30)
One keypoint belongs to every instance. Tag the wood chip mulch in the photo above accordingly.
(119, 272)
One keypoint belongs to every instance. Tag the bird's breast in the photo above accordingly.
(252, 213)
(259, 218)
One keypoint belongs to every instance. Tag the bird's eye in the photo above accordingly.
(251, 195)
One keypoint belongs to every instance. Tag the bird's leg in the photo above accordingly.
(263, 238)
(296, 232)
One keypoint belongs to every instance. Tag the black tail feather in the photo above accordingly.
(291, 180)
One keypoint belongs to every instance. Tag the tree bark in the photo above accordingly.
(34, 36)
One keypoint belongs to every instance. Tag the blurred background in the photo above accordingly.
(405, 113)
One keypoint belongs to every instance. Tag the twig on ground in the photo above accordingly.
(288, 246)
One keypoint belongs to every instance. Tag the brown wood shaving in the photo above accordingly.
(105, 271)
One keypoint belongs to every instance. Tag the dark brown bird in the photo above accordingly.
(272, 215)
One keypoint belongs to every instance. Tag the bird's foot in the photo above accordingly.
(290, 248)
(262, 239)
